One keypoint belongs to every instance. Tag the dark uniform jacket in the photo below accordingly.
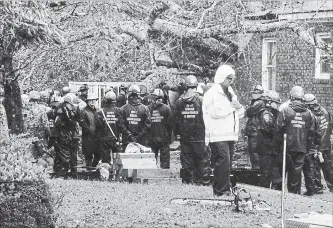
(88, 120)
(253, 114)
(324, 121)
(134, 120)
(161, 123)
(300, 126)
(121, 99)
(69, 115)
(51, 116)
(266, 127)
(111, 113)
(189, 122)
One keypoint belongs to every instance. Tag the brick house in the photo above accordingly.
(280, 60)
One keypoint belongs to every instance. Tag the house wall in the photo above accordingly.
(295, 66)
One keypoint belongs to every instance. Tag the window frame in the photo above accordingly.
(264, 74)
(318, 55)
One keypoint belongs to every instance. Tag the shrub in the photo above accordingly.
(26, 204)
(17, 162)
(24, 196)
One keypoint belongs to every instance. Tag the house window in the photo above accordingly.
(269, 63)
(322, 64)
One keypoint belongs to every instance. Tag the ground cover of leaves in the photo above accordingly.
(106, 204)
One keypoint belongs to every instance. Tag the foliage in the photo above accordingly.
(28, 205)
(24, 197)
(17, 162)
(26, 23)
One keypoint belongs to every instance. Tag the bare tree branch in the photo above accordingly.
(204, 14)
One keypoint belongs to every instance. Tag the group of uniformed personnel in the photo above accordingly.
(308, 127)
(195, 118)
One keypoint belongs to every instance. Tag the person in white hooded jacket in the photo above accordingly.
(221, 113)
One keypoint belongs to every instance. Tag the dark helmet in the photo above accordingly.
(83, 87)
(191, 81)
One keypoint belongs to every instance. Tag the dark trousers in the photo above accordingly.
(309, 172)
(221, 161)
(294, 166)
(326, 167)
(252, 151)
(164, 149)
(267, 164)
(108, 147)
(91, 150)
(74, 154)
(195, 162)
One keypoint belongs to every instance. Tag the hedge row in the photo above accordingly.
(24, 197)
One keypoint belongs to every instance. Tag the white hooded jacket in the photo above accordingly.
(221, 119)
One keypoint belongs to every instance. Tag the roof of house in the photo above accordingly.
(305, 6)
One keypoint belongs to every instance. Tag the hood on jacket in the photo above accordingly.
(222, 73)
(298, 107)
(318, 112)
(189, 97)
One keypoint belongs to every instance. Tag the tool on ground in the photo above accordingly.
(283, 177)
(247, 201)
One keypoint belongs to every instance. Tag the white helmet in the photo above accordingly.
(110, 96)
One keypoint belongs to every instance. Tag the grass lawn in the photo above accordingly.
(107, 204)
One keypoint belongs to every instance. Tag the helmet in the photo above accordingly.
(273, 96)
(158, 93)
(143, 89)
(310, 99)
(92, 97)
(133, 90)
(56, 93)
(44, 95)
(69, 97)
(110, 96)
(200, 88)
(108, 89)
(297, 92)
(191, 81)
(257, 89)
(83, 87)
(65, 90)
(35, 95)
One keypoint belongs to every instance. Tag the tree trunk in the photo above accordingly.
(4, 132)
(12, 101)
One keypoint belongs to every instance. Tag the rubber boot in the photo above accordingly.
(89, 164)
